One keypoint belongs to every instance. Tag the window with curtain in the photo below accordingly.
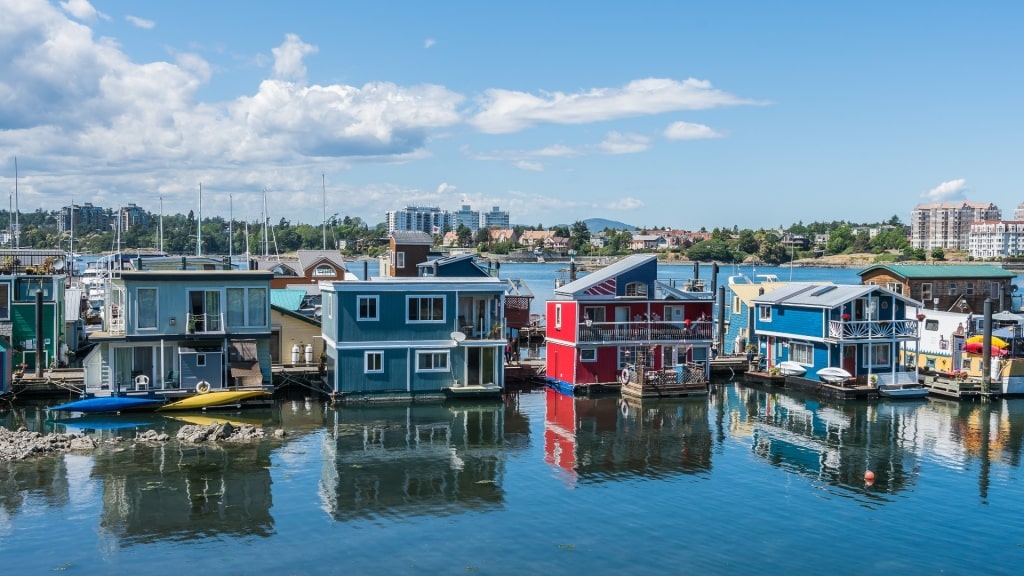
(257, 307)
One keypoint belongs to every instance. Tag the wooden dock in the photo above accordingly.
(845, 391)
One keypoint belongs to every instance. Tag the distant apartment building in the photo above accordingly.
(467, 217)
(997, 239)
(948, 224)
(429, 219)
(496, 218)
(132, 216)
(84, 218)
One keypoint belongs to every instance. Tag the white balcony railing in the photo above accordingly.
(880, 329)
(644, 331)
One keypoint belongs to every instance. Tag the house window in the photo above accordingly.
(399, 259)
(432, 361)
(801, 352)
(896, 287)
(558, 316)
(969, 290)
(588, 354)
(594, 313)
(324, 270)
(145, 314)
(628, 355)
(926, 292)
(373, 362)
(5, 301)
(931, 325)
(736, 305)
(952, 288)
(246, 306)
(425, 308)
(328, 304)
(636, 289)
(366, 307)
(764, 313)
(879, 354)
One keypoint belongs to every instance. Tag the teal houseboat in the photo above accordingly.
(407, 338)
(178, 332)
(28, 338)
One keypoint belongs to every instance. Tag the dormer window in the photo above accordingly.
(636, 289)
(324, 270)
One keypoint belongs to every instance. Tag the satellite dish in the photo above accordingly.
(458, 337)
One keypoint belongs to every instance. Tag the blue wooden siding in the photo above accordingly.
(392, 309)
(795, 321)
(646, 273)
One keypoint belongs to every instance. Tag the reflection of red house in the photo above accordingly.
(622, 316)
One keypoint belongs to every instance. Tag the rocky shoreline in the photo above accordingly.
(22, 443)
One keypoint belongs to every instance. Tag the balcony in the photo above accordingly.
(644, 331)
(204, 323)
(875, 329)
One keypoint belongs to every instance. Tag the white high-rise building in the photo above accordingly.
(948, 224)
(496, 218)
(429, 219)
(997, 239)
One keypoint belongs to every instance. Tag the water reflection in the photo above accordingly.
(838, 443)
(593, 439)
(415, 459)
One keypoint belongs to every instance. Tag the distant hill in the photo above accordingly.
(598, 224)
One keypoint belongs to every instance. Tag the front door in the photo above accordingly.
(622, 321)
(850, 359)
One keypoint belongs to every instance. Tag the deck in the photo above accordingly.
(843, 391)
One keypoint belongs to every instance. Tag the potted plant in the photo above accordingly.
(191, 324)
(873, 379)
(751, 350)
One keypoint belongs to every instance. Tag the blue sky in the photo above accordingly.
(668, 113)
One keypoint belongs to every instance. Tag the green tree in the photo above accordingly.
(938, 253)
(579, 236)
(840, 240)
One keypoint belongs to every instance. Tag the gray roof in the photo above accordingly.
(824, 295)
(412, 237)
(610, 271)
(308, 258)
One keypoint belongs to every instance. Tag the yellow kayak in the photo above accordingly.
(217, 398)
(996, 341)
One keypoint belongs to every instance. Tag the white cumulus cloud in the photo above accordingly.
(503, 111)
(140, 22)
(616, 143)
(627, 203)
(689, 131)
(445, 188)
(949, 190)
(288, 64)
(81, 9)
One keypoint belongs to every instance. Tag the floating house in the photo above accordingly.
(952, 287)
(35, 334)
(395, 338)
(854, 331)
(180, 332)
(622, 328)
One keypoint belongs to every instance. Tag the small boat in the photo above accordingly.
(110, 404)
(834, 375)
(791, 368)
(905, 390)
(213, 400)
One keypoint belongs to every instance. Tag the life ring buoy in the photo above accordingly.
(141, 381)
(624, 377)
(203, 387)
(624, 408)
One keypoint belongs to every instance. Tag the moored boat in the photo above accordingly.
(903, 390)
(213, 399)
(101, 404)
(834, 375)
(791, 368)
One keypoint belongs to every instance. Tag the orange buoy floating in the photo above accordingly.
(869, 477)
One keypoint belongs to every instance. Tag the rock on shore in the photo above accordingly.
(21, 443)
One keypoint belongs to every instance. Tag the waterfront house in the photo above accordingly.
(954, 287)
(406, 338)
(302, 269)
(623, 318)
(33, 335)
(861, 329)
(295, 337)
(406, 249)
(180, 331)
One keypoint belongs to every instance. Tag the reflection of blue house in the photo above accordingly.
(859, 328)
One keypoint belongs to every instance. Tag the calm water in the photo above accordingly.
(745, 480)
(739, 482)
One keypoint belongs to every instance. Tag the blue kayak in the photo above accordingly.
(110, 404)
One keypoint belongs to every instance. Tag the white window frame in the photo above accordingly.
(376, 354)
(764, 312)
(636, 289)
(880, 351)
(558, 316)
(359, 307)
(5, 300)
(399, 259)
(588, 354)
(589, 313)
(324, 271)
(435, 355)
(802, 353)
(418, 297)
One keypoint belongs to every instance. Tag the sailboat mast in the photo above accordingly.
(161, 224)
(199, 224)
(323, 187)
(231, 217)
(17, 225)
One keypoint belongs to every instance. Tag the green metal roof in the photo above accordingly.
(287, 298)
(924, 271)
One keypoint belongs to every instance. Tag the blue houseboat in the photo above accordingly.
(407, 338)
(838, 333)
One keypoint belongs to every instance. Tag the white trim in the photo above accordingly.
(583, 351)
(446, 354)
(444, 305)
(376, 307)
(366, 358)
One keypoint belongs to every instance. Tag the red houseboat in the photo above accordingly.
(620, 328)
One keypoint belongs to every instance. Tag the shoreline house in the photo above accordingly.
(861, 329)
(181, 332)
(953, 287)
(622, 318)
